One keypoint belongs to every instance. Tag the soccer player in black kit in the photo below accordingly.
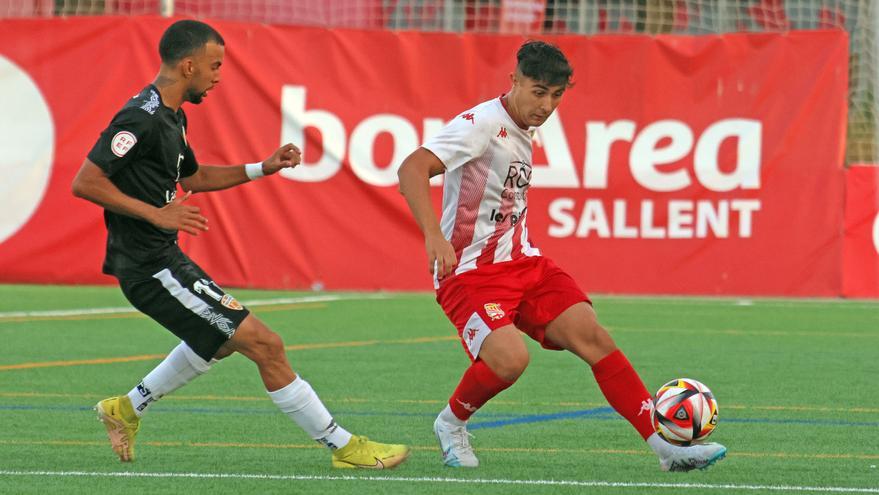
(132, 172)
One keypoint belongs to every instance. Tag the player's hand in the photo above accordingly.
(287, 156)
(441, 257)
(178, 216)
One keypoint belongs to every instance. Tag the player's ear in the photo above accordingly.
(187, 67)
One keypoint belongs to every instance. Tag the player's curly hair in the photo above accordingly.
(544, 62)
(183, 38)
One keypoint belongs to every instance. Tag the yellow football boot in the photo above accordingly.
(122, 424)
(364, 453)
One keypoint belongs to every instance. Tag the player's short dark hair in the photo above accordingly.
(544, 62)
(183, 38)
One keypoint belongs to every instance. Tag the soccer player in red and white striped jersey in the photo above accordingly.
(491, 280)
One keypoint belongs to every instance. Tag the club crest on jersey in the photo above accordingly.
(122, 142)
(494, 311)
(231, 303)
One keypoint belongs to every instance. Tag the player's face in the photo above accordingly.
(535, 100)
(205, 71)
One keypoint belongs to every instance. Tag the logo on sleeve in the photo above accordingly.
(122, 142)
(152, 104)
(468, 116)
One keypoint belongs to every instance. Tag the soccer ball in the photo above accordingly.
(684, 412)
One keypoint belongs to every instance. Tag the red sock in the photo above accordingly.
(477, 386)
(624, 390)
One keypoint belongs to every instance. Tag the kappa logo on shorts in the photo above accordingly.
(494, 311)
(467, 406)
(231, 303)
(471, 334)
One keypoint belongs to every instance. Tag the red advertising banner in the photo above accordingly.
(860, 256)
(690, 165)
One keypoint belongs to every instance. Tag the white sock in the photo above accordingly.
(178, 369)
(299, 401)
(449, 417)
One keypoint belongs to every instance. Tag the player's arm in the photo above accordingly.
(92, 184)
(213, 178)
(414, 175)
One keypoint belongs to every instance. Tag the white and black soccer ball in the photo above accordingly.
(684, 412)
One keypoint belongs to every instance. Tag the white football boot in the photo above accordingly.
(701, 456)
(455, 444)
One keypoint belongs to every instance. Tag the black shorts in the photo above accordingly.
(183, 299)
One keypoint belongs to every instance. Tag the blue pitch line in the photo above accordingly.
(537, 418)
(823, 422)
(505, 419)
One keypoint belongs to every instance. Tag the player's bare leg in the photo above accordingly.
(502, 359)
(505, 352)
(577, 330)
(295, 397)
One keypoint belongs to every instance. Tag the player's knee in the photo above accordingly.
(272, 343)
(267, 347)
(513, 365)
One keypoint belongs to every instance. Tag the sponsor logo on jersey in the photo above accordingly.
(231, 303)
(494, 311)
(122, 142)
(514, 216)
(152, 104)
(518, 175)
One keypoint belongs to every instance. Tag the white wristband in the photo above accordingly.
(254, 170)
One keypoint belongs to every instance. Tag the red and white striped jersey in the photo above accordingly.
(488, 171)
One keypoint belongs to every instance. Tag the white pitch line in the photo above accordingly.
(475, 481)
(254, 302)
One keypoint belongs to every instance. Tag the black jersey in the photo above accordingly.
(144, 152)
